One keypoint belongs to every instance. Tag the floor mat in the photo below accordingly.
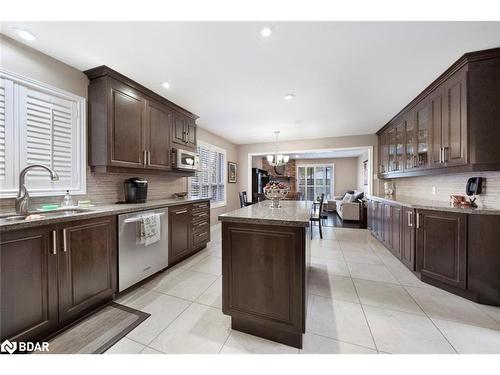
(98, 332)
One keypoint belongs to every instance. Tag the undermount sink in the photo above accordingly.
(35, 215)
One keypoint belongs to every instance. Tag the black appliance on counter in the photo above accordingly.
(136, 190)
(260, 178)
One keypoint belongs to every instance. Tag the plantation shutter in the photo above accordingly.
(48, 126)
(209, 180)
(7, 175)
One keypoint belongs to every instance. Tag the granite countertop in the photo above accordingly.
(292, 213)
(93, 212)
(429, 204)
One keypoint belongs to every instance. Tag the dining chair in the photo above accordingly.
(317, 217)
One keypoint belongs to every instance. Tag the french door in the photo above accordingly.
(313, 180)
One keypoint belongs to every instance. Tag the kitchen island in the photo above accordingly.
(265, 261)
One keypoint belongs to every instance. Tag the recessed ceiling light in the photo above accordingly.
(297, 156)
(266, 32)
(288, 96)
(166, 85)
(26, 35)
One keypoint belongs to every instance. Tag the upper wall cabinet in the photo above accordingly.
(133, 128)
(452, 126)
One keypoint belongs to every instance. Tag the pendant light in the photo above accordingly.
(277, 159)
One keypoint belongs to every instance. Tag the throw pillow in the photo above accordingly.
(347, 198)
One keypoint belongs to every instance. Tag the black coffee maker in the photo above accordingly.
(136, 190)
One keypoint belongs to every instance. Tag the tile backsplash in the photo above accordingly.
(447, 184)
(108, 188)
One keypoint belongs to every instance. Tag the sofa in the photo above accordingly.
(347, 205)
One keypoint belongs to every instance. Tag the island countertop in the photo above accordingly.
(291, 213)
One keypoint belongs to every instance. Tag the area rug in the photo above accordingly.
(98, 332)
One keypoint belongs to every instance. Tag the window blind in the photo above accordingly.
(209, 180)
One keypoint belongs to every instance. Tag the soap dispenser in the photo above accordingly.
(67, 200)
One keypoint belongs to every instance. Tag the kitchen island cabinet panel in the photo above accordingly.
(265, 262)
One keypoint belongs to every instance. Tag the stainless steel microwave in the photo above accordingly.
(184, 160)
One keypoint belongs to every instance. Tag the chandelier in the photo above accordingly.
(277, 159)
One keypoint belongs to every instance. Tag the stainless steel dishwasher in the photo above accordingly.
(136, 261)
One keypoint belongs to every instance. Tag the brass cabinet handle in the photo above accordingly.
(149, 157)
(181, 212)
(144, 157)
(418, 220)
(65, 249)
(54, 242)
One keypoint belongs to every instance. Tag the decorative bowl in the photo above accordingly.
(275, 195)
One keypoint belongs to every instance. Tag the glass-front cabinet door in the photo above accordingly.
(422, 118)
(410, 146)
(399, 146)
(384, 153)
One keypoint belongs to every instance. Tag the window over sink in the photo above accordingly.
(40, 124)
(210, 180)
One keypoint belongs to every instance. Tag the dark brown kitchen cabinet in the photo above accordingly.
(87, 266)
(179, 223)
(407, 234)
(126, 127)
(131, 128)
(28, 289)
(395, 231)
(454, 129)
(389, 223)
(441, 244)
(158, 133)
(184, 132)
(189, 229)
(54, 275)
(450, 126)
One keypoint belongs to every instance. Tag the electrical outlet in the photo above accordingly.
(434, 190)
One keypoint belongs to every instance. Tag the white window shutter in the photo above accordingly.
(49, 136)
(8, 183)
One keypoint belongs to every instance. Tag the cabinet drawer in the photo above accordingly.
(201, 216)
(202, 226)
(201, 206)
(201, 237)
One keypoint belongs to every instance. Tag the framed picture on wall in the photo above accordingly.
(365, 172)
(232, 168)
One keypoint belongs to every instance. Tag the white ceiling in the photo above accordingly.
(348, 77)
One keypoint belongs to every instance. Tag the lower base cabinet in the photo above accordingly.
(455, 251)
(408, 237)
(28, 289)
(87, 266)
(53, 275)
(189, 230)
(442, 247)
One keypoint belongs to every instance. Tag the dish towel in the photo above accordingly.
(149, 229)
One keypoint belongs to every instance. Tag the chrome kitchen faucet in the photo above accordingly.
(23, 198)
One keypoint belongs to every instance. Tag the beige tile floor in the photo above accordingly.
(362, 301)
